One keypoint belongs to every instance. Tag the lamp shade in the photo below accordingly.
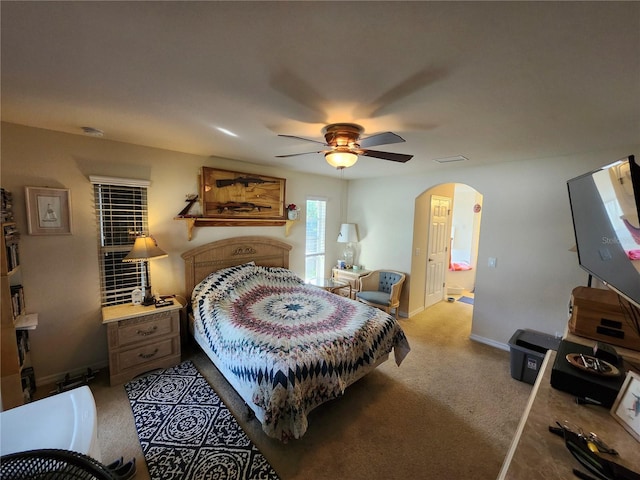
(348, 233)
(144, 248)
(341, 158)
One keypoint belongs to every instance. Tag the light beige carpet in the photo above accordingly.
(448, 412)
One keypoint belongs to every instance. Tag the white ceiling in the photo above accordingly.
(494, 82)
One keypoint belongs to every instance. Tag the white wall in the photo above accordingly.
(526, 225)
(60, 273)
(464, 223)
(465, 233)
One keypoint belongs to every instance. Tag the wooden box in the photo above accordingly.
(598, 314)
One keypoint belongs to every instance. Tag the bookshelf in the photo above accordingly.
(17, 381)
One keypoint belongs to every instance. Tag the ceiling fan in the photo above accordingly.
(343, 145)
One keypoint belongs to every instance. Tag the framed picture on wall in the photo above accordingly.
(233, 195)
(48, 210)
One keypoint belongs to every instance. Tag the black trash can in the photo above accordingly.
(528, 348)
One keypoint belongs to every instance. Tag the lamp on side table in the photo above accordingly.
(349, 235)
(145, 249)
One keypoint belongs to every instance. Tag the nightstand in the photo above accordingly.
(351, 277)
(141, 339)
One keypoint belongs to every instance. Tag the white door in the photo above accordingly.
(438, 246)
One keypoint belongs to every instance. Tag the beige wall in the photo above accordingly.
(60, 273)
(526, 225)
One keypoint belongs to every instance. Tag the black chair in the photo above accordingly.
(53, 464)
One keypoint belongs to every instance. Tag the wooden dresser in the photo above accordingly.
(141, 339)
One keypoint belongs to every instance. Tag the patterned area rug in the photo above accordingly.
(187, 433)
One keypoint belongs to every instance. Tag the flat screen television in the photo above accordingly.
(605, 205)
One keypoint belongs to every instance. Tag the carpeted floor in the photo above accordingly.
(187, 433)
(449, 411)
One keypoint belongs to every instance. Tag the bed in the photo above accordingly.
(285, 346)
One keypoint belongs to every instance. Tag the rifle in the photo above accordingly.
(239, 206)
(243, 180)
(191, 199)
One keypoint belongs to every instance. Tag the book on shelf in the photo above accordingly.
(13, 256)
(28, 383)
(22, 337)
(6, 211)
(17, 300)
(11, 237)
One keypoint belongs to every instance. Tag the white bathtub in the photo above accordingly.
(66, 420)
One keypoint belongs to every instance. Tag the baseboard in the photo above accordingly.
(488, 341)
(59, 377)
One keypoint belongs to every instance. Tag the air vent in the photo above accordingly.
(457, 158)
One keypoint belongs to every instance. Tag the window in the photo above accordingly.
(121, 211)
(315, 238)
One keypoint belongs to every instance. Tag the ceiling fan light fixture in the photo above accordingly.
(343, 145)
(341, 159)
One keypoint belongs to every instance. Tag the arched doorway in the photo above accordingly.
(429, 284)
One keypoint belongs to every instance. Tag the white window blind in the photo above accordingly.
(121, 210)
(315, 238)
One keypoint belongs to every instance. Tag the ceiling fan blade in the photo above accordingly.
(296, 88)
(297, 154)
(302, 138)
(384, 138)
(414, 83)
(394, 157)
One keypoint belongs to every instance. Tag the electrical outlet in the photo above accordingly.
(493, 262)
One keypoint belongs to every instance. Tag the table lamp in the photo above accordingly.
(349, 235)
(145, 249)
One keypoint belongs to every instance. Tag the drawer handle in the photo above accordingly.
(148, 355)
(145, 333)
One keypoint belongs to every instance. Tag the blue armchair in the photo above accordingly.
(381, 289)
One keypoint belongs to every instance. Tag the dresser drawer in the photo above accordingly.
(146, 353)
(126, 364)
(142, 329)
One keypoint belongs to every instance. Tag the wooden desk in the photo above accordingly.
(535, 453)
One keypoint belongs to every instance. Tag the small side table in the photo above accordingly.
(141, 339)
(331, 285)
(352, 277)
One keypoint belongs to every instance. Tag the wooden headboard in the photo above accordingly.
(202, 260)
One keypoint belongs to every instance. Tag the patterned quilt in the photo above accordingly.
(295, 345)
